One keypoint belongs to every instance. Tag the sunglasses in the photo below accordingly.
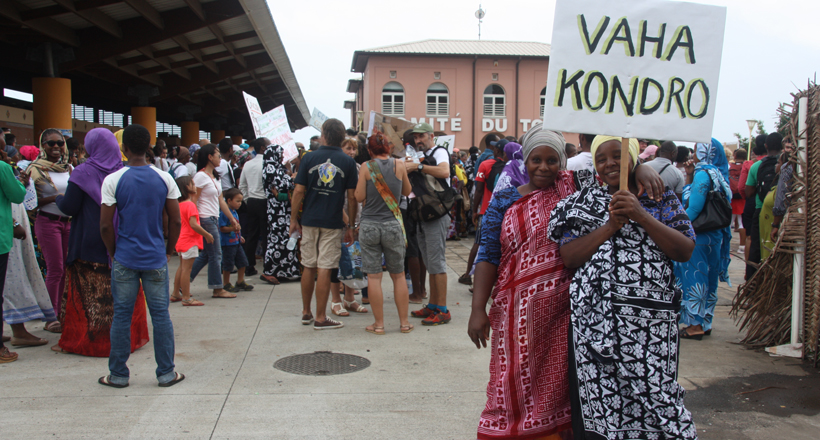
(53, 143)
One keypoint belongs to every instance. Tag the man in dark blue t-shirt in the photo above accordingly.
(326, 176)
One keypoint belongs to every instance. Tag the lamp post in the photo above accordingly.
(751, 123)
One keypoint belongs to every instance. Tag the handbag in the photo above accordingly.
(716, 213)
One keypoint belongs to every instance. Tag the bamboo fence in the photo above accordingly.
(763, 304)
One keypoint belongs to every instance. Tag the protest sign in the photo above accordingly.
(393, 128)
(447, 142)
(274, 126)
(645, 68)
(254, 110)
(317, 119)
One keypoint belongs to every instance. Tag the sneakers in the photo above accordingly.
(243, 286)
(741, 249)
(423, 313)
(327, 324)
(437, 318)
(231, 288)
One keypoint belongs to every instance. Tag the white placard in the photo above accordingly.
(254, 110)
(317, 118)
(274, 126)
(644, 68)
(447, 142)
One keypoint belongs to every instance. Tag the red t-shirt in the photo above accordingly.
(484, 172)
(188, 238)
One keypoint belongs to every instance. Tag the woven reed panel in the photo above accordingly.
(811, 333)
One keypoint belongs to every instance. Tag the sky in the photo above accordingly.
(770, 48)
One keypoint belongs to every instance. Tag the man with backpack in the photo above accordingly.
(433, 171)
(180, 168)
(762, 177)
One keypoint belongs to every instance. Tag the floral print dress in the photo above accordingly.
(624, 310)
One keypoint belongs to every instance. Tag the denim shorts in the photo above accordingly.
(233, 255)
(378, 238)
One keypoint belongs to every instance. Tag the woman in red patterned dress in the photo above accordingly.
(528, 393)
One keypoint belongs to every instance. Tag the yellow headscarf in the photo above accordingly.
(118, 135)
(634, 147)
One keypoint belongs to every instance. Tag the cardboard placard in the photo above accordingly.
(274, 126)
(254, 110)
(645, 68)
(448, 142)
(317, 118)
(393, 128)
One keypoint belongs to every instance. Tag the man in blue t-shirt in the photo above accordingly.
(138, 194)
(326, 176)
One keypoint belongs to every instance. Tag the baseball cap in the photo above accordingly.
(500, 144)
(423, 127)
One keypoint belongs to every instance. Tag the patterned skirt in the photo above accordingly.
(88, 309)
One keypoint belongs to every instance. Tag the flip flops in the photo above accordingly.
(106, 380)
(178, 377)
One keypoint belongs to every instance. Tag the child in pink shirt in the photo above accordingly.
(189, 243)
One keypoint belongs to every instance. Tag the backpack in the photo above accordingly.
(495, 171)
(766, 176)
(174, 167)
(434, 198)
(734, 178)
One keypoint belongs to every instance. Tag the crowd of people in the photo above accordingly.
(590, 286)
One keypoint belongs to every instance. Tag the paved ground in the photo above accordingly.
(429, 383)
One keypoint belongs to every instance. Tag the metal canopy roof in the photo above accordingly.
(189, 53)
(454, 48)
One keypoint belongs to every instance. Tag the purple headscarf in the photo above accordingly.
(104, 158)
(515, 168)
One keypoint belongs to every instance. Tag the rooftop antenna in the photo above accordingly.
(479, 14)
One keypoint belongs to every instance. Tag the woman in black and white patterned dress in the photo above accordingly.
(624, 304)
(280, 262)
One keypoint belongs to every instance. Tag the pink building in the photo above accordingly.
(469, 89)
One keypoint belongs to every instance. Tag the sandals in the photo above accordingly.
(341, 312)
(28, 343)
(684, 334)
(353, 306)
(7, 356)
(375, 330)
(192, 302)
(407, 328)
(106, 380)
(465, 279)
(178, 377)
(53, 327)
(175, 299)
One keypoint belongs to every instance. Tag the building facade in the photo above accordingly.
(469, 89)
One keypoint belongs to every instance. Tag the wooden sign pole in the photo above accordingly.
(624, 164)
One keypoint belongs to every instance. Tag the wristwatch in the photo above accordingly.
(421, 167)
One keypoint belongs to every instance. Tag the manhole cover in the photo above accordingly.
(321, 363)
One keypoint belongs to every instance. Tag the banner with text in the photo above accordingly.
(645, 68)
(274, 126)
(254, 110)
(317, 119)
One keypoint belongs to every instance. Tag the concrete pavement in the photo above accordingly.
(426, 384)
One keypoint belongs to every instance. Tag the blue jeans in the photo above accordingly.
(125, 285)
(211, 255)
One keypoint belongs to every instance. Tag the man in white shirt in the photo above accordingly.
(225, 168)
(583, 160)
(252, 185)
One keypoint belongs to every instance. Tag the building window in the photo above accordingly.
(393, 74)
(82, 113)
(543, 101)
(436, 75)
(438, 100)
(494, 105)
(393, 99)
